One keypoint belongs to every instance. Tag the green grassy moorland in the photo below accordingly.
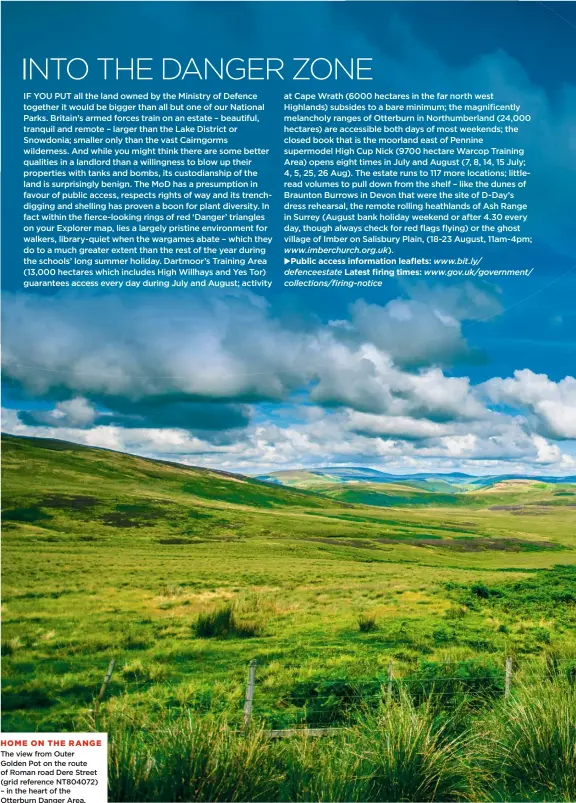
(184, 575)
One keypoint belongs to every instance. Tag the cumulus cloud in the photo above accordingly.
(428, 326)
(342, 437)
(138, 348)
(553, 404)
(368, 381)
(397, 427)
(198, 363)
(225, 381)
(214, 419)
(76, 413)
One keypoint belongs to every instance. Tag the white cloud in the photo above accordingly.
(232, 349)
(553, 404)
(425, 328)
(194, 382)
(343, 437)
(76, 412)
(396, 426)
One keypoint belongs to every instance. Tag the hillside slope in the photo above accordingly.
(60, 486)
(57, 462)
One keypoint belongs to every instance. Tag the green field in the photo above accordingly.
(107, 555)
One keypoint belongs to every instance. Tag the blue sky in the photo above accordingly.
(475, 376)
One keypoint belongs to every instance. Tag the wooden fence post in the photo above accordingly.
(250, 691)
(508, 682)
(390, 679)
(105, 682)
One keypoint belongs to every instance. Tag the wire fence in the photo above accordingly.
(286, 697)
(316, 702)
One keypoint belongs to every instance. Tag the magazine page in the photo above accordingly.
(289, 401)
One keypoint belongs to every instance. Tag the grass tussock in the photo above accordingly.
(530, 746)
(524, 749)
(367, 623)
(409, 754)
(400, 753)
(190, 759)
(224, 623)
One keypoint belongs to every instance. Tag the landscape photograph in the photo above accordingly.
(302, 541)
(348, 576)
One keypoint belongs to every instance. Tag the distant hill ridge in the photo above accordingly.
(372, 475)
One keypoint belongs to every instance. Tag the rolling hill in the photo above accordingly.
(456, 481)
(368, 486)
